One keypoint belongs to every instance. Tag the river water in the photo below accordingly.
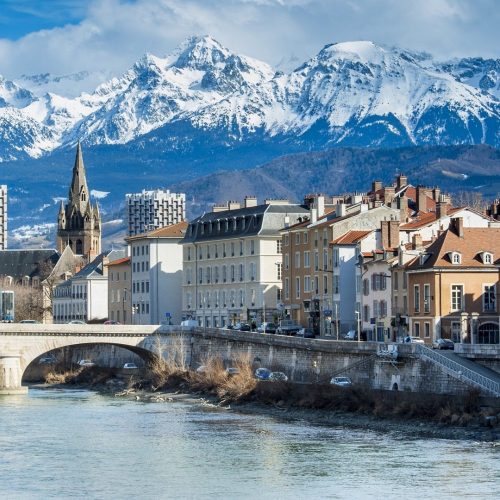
(79, 444)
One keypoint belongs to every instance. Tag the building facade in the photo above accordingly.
(233, 262)
(119, 290)
(79, 221)
(453, 286)
(156, 274)
(151, 210)
(3, 217)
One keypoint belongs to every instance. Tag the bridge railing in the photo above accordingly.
(460, 371)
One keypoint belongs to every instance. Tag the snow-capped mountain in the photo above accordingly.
(351, 93)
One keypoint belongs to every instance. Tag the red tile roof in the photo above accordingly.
(425, 218)
(173, 231)
(117, 262)
(350, 238)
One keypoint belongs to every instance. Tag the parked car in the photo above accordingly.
(47, 360)
(262, 373)
(351, 335)
(243, 327)
(130, 366)
(111, 322)
(288, 327)
(86, 362)
(278, 377)
(267, 328)
(30, 321)
(341, 381)
(443, 344)
(230, 326)
(413, 340)
(76, 322)
(191, 323)
(232, 371)
(307, 333)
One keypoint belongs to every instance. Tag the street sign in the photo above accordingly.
(168, 315)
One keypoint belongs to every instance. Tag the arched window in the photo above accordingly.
(79, 247)
(488, 334)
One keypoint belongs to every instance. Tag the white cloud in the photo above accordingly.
(99, 194)
(114, 33)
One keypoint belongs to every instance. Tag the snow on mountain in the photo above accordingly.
(350, 93)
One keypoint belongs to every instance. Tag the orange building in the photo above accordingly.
(453, 286)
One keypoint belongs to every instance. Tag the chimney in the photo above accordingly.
(250, 201)
(436, 194)
(320, 205)
(441, 207)
(222, 207)
(340, 209)
(416, 241)
(393, 233)
(376, 186)
(403, 208)
(313, 211)
(384, 233)
(233, 205)
(401, 182)
(421, 199)
(458, 226)
(389, 192)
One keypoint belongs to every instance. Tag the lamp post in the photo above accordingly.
(124, 298)
(358, 321)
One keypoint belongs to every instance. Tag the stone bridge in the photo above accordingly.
(21, 344)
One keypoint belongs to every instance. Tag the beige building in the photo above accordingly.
(119, 290)
(453, 286)
(232, 262)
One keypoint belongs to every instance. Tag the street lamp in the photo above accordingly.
(124, 298)
(358, 321)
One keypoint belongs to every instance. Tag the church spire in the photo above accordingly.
(78, 191)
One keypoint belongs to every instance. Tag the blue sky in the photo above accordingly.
(65, 36)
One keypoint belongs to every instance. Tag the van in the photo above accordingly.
(189, 323)
(351, 335)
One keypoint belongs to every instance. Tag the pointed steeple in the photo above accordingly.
(79, 192)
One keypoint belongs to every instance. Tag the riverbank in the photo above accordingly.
(398, 413)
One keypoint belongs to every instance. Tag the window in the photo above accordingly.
(416, 329)
(252, 271)
(427, 329)
(307, 284)
(287, 289)
(297, 238)
(224, 274)
(232, 273)
(325, 259)
(252, 247)
(189, 253)
(366, 287)
(416, 298)
(241, 247)
(325, 284)
(316, 285)
(306, 238)
(286, 239)
(376, 311)
(336, 284)
(316, 261)
(489, 298)
(297, 260)
(457, 293)
(456, 258)
(200, 275)
(307, 259)
(427, 298)
(487, 258)
(366, 314)
(395, 277)
(278, 246)
(297, 287)
(242, 272)
(383, 308)
(232, 249)
(335, 257)
(279, 271)
(287, 261)
(405, 281)
(208, 275)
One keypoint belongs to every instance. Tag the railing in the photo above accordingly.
(356, 364)
(459, 371)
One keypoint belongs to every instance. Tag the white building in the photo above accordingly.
(151, 210)
(156, 272)
(232, 261)
(84, 296)
(3, 217)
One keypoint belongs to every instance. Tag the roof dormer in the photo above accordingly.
(455, 257)
(487, 258)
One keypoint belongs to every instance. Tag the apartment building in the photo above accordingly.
(154, 209)
(119, 290)
(156, 275)
(233, 262)
(453, 286)
(3, 217)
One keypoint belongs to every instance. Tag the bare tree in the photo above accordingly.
(472, 199)
(28, 301)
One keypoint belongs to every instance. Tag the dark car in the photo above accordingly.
(307, 333)
(443, 344)
(244, 327)
(267, 328)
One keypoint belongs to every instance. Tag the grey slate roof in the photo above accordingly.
(250, 221)
(94, 269)
(20, 263)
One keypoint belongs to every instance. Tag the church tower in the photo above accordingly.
(79, 222)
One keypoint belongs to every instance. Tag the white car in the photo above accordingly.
(341, 381)
(130, 366)
(278, 377)
(86, 362)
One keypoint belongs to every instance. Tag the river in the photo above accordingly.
(79, 444)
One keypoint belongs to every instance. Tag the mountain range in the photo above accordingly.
(203, 109)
